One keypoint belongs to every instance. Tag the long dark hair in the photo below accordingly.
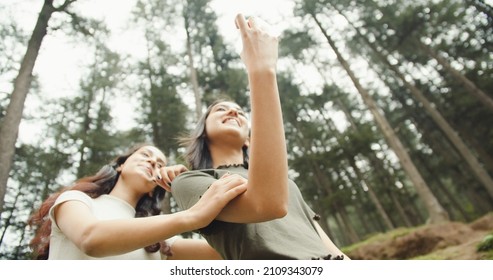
(197, 154)
(94, 186)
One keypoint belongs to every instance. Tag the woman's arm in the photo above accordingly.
(267, 193)
(193, 249)
(100, 238)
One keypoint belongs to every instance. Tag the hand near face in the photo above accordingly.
(168, 174)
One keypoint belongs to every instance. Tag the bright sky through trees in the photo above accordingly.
(62, 60)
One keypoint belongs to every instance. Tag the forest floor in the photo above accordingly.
(445, 241)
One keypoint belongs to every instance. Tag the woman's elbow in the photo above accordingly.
(91, 251)
(278, 206)
(272, 211)
(90, 246)
(282, 203)
(280, 211)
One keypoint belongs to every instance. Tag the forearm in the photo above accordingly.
(268, 168)
(119, 236)
(114, 237)
(266, 196)
(193, 249)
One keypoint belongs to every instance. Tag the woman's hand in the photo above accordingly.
(220, 193)
(168, 173)
(260, 49)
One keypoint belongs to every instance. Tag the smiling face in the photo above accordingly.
(142, 168)
(227, 123)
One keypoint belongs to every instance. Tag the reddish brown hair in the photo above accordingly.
(101, 183)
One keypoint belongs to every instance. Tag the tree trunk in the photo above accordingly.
(476, 167)
(485, 99)
(363, 216)
(81, 170)
(350, 231)
(436, 212)
(373, 197)
(413, 210)
(400, 210)
(6, 222)
(193, 71)
(375, 163)
(482, 153)
(323, 184)
(361, 180)
(9, 128)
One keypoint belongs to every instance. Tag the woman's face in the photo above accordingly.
(142, 167)
(227, 123)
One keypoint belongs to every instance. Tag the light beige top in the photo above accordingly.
(105, 207)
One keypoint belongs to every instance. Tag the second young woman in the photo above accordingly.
(115, 213)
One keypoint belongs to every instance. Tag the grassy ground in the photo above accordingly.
(447, 241)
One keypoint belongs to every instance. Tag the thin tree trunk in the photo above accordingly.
(19, 249)
(483, 154)
(6, 222)
(340, 225)
(373, 198)
(193, 71)
(475, 166)
(9, 127)
(436, 212)
(353, 235)
(363, 217)
(399, 209)
(85, 128)
(323, 184)
(374, 160)
(486, 100)
(412, 209)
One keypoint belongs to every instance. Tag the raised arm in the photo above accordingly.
(267, 193)
(266, 197)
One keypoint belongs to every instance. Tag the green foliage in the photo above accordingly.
(229, 83)
(293, 43)
(486, 244)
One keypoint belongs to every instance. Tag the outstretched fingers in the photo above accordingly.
(252, 23)
(241, 23)
(259, 47)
